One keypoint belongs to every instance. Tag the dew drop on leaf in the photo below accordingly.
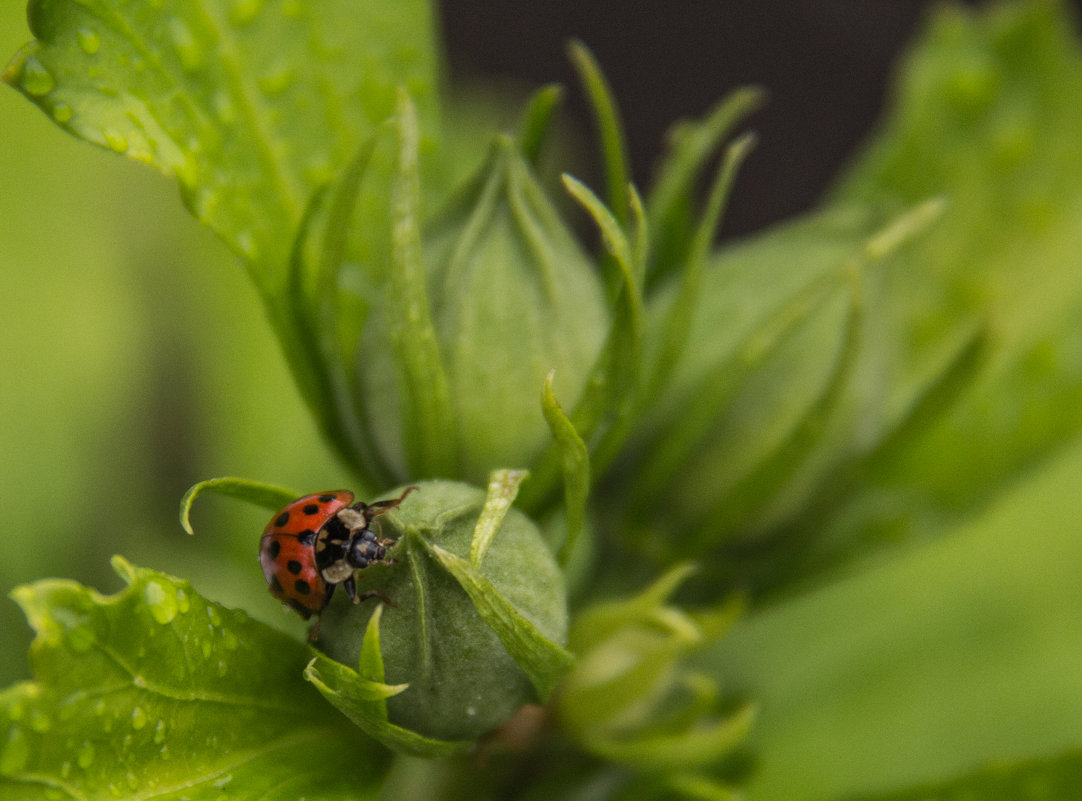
(89, 40)
(215, 618)
(62, 113)
(159, 733)
(229, 640)
(188, 50)
(244, 11)
(85, 758)
(183, 604)
(35, 79)
(79, 638)
(15, 752)
(161, 603)
(138, 718)
(40, 722)
(117, 142)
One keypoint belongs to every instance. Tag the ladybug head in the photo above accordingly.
(365, 548)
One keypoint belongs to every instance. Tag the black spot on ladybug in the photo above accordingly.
(294, 567)
(283, 518)
(306, 537)
(301, 586)
(311, 509)
(276, 586)
(326, 498)
(273, 549)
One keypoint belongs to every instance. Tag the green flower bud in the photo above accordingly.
(777, 391)
(631, 696)
(473, 614)
(507, 296)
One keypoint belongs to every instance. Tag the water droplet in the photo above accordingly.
(471, 711)
(223, 668)
(159, 733)
(39, 721)
(62, 113)
(244, 11)
(162, 604)
(115, 791)
(65, 770)
(188, 50)
(206, 648)
(139, 681)
(15, 753)
(183, 604)
(223, 781)
(133, 781)
(277, 79)
(229, 640)
(89, 40)
(79, 638)
(99, 708)
(138, 718)
(35, 79)
(85, 758)
(116, 141)
(215, 618)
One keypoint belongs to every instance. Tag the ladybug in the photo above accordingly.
(317, 542)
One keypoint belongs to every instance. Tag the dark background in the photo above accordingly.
(826, 63)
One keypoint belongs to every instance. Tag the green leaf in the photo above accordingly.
(678, 328)
(351, 695)
(172, 696)
(266, 495)
(576, 467)
(708, 742)
(668, 206)
(540, 658)
(362, 697)
(537, 120)
(426, 411)
(610, 130)
(250, 105)
(612, 389)
(502, 489)
(1057, 778)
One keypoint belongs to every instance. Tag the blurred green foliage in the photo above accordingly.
(134, 345)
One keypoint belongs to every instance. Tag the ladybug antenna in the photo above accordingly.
(382, 507)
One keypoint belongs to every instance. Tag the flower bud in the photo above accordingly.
(465, 675)
(510, 296)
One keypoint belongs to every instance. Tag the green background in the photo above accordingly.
(136, 361)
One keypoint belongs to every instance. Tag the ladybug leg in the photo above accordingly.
(364, 596)
(313, 633)
(350, 585)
